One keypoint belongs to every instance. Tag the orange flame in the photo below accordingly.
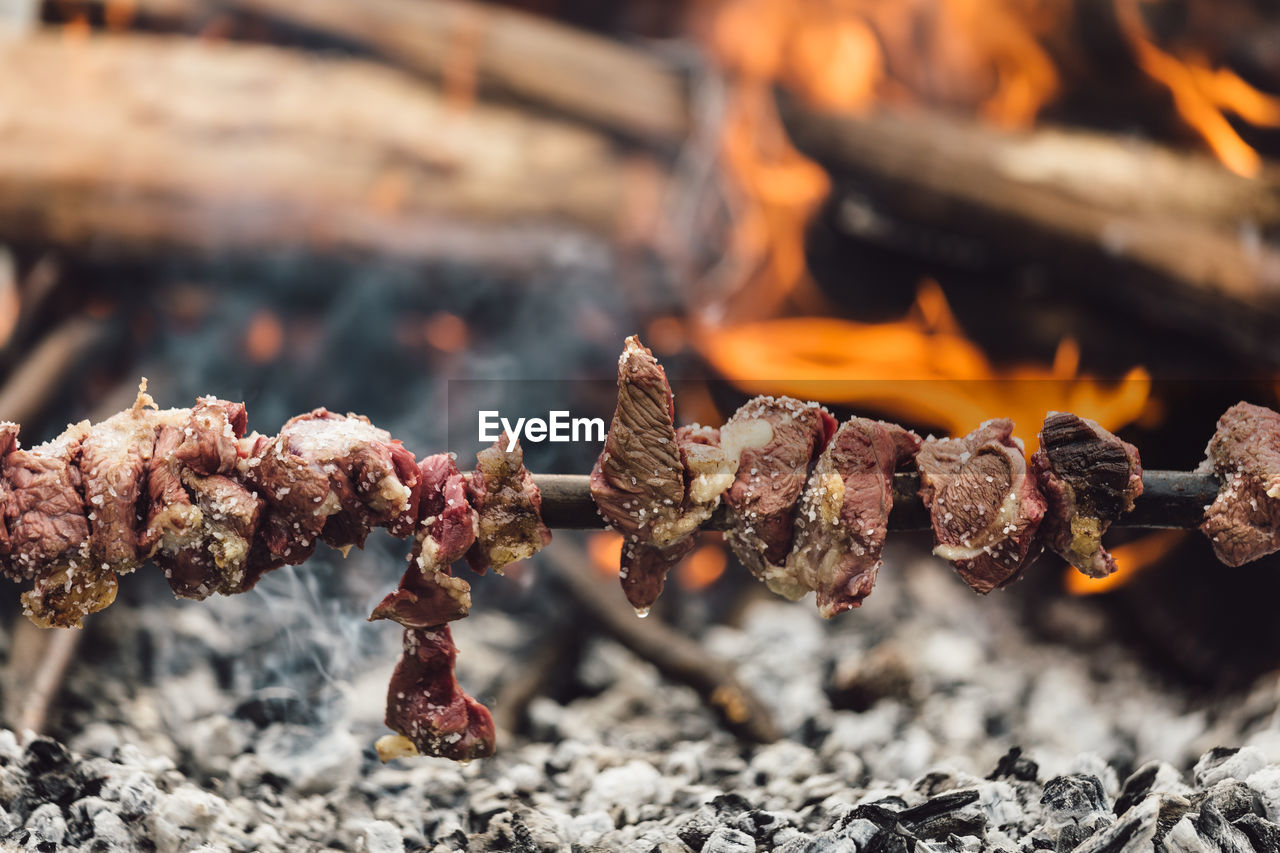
(981, 54)
(1131, 558)
(921, 368)
(264, 336)
(605, 551)
(1201, 94)
(703, 567)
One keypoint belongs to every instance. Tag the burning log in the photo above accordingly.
(218, 147)
(1085, 199)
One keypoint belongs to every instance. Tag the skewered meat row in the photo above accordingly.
(217, 510)
(809, 505)
(806, 506)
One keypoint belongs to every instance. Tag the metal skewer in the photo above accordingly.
(1170, 499)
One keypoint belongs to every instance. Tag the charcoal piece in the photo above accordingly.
(1013, 766)
(652, 483)
(428, 594)
(508, 506)
(1136, 787)
(779, 440)
(1074, 797)
(1243, 522)
(1213, 827)
(1132, 832)
(52, 776)
(726, 839)
(276, 705)
(945, 815)
(1227, 762)
(1264, 834)
(426, 704)
(844, 515)
(1173, 808)
(1089, 478)
(984, 503)
(697, 827)
(1234, 799)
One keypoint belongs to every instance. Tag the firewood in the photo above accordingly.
(1175, 226)
(129, 145)
(531, 58)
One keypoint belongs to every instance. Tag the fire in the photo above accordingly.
(605, 551)
(264, 336)
(1131, 558)
(703, 567)
(1202, 93)
(921, 368)
(980, 54)
(972, 54)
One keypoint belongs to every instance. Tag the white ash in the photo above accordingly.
(903, 724)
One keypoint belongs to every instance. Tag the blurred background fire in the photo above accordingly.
(935, 211)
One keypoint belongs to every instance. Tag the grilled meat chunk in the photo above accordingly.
(654, 484)
(777, 440)
(49, 532)
(1243, 522)
(114, 459)
(844, 515)
(329, 476)
(428, 594)
(984, 502)
(201, 520)
(1089, 477)
(426, 704)
(509, 509)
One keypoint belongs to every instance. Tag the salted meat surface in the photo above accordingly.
(1089, 478)
(844, 515)
(8, 443)
(652, 483)
(332, 477)
(48, 529)
(778, 440)
(426, 704)
(201, 520)
(508, 507)
(984, 502)
(428, 594)
(1243, 522)
(114, 460)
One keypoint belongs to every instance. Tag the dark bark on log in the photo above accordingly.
(1172, 226)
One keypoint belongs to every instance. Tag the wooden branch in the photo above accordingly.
(675, 655)
(1087, 202)
(531, 58)
(38, 661)
(134, 144)
(43, 371)
(1169, 499)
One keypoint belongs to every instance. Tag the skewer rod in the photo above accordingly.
(1170, 499)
